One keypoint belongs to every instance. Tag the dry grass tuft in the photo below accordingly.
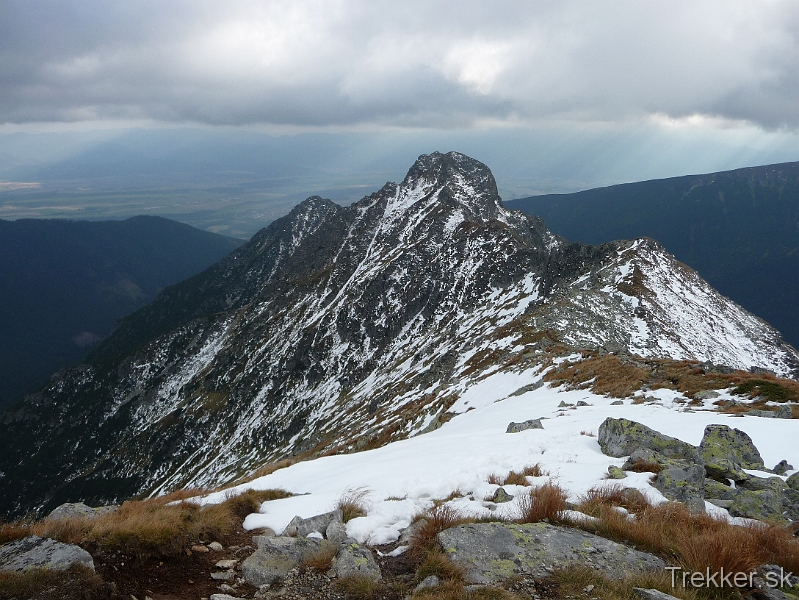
(76, 583)
(438, 564)
(452, 590)
(322, 559)
(250, 501)
(353, 504)
(437, 520)
(698, 542)
(645, 466)
(599, 497)
(148, 528)
(358, 587)
(572, 582)
(543, 503)
(518, 478)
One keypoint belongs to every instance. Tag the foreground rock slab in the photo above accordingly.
(492, 552)
(275, 557)
(34, 552)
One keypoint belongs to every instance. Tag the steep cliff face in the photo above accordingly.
(337, 328)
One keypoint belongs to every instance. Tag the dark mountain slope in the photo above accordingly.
(63, 284)
(739, 229)
(338, 328)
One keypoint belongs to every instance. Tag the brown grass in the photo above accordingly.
(699, 541)
(437, 520)
(353, 504)
(599, 497)
(438, 564)
(645, 466)
(322, 559)
(518, 478)
(573, 580)
(76, 583)
(265, 470)
(543, 503)
(148, 528)
(358, 587)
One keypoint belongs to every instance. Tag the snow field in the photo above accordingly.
(404, 477)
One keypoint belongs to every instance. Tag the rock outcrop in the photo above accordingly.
(34, 552)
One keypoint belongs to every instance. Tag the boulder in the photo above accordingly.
(493, 552)
(790, 504)
(275, 557)
(529, 424)
(650, 594)
(317, 523)
(683, 485)
(706, 395)
(354, 559)
(764, 505)
(763, 483)
(793, 481)
(718, 491)
(80, 510)
(501, 496)
(622, 437)
(726, 451)
(336, 532)
(34, 552)
(428, 582)
(615, 472)
(782, 467)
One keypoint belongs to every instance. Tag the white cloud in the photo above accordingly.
(344, 63)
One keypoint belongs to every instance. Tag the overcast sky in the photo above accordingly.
(726, 72)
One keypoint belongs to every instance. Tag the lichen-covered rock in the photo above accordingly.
(501, 496)
(782, 467)
(79, 509)
(275, 557)
(790, 504)
(529, 424)
(763, 483)
(622, 437)
(34, 552)
(615, 472)
(644, 457)
(492, 552)
(726, 451)
(683, 485)
(764, 505)
(718, 491)
(354, 559)
(793, 481)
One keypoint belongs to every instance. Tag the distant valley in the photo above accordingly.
(63, 284)
(739, 229)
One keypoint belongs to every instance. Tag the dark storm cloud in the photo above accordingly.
(417, 64)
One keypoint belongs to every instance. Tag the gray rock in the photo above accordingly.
(622, 437)
(529, 424)
(782, 412)
(226, 564)
(763, 483)
(582, 403)
(719, 491)
(223, 576)
(354, 559)
(705, 395)
(782, 467)
(793, 481)
(617, 403)
(291, 528)
(501, 496)
(224, 597)
(726, 451)
(683, 485)
(649, 594)
(564, 404)
(765, 505)
(317, 523)
(615, 472)
(428, 582)
(216, 546)
(80, 510)
(34, 552)
(790, 504)
(336, 532)
(492, 552)
(530, 387)
(719, 503)
(275, 557)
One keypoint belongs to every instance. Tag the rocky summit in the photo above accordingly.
(342, 328)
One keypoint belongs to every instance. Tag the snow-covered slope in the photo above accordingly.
(402, 479)
(341, 328)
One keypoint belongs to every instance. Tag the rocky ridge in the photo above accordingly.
(341, 328)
